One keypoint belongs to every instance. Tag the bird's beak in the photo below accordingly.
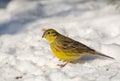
(43, 35)
(44, 32)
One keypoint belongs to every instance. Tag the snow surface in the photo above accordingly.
(25, 56)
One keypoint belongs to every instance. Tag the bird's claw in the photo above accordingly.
(61, 65)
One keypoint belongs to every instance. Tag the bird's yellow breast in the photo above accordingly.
(63, 55)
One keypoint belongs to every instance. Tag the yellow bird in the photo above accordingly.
(67, 49)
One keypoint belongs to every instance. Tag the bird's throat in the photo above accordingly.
(51, 39)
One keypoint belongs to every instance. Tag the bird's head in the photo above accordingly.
(50, 35)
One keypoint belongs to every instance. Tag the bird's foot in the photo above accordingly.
(63, 65)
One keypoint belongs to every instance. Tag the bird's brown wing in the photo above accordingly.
(72, 46)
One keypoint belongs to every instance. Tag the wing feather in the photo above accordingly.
(72, 46)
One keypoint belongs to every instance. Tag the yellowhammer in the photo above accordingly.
(67, 49)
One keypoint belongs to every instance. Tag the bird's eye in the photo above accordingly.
(48, 32)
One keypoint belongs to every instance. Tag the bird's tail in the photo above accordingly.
(97, 53)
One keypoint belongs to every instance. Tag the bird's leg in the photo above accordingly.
(62, 65)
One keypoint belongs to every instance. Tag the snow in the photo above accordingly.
(26, 56)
